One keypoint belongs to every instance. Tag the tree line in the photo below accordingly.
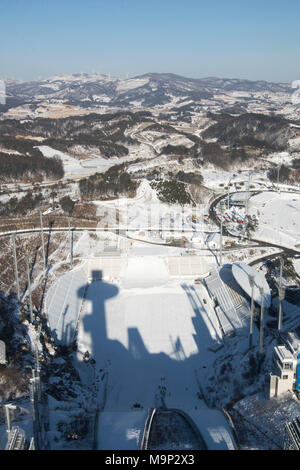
(35, 167)
(113, 183)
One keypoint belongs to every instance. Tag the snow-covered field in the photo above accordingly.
(150, 333)
(278, 215)
(74, 167)
(219, 179)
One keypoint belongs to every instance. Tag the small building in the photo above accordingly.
(239, 199)
(283, 375)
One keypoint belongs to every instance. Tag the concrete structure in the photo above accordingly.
(242, 274)
(292, 341)
(240, 199)
(283, 375)
(2, 353)
(232, 312)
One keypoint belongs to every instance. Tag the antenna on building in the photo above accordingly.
(16, 266)
(29, 289)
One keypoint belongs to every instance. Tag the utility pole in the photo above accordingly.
(251, 280)
(71, 244)
(29, 289)
(16, 267)
(261, 326)
(221, 237)
(43, 241)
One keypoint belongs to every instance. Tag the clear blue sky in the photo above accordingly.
(257, 39)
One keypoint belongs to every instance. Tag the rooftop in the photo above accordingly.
(283, 353)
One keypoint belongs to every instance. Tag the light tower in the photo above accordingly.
(247, 201)
(29, 289)
(8, 408)
(37, 361)
(16, 266)
(71, 243)
(221, 238)
(228, 199)
(43, 241)
(251, 281)
(281, 295)
(261, 326)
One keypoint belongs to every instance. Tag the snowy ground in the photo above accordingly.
(278, 215)
(74, 167)
(150, 334)
(144, 330)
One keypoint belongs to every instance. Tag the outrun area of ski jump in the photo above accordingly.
(151, 334)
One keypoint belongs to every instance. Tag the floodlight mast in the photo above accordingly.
(221, 237)
(29, 289)
(71, 247)
(228, 197)
(281, 295)
(43, 241)
(247, 201)
(16, 266)
(8, 407)
(261, 326)
(251, 281)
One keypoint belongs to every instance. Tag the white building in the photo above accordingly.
(283, 375)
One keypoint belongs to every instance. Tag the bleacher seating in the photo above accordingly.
(228, 303)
